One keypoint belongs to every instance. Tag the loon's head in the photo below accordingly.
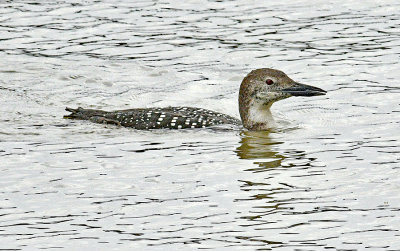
(260, 89)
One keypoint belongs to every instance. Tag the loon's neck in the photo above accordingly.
(257, 117)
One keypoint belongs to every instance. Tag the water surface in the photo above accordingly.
(327, 178)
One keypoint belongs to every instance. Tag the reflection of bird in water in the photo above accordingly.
(264, 149)
(259, 146)
(258, 91)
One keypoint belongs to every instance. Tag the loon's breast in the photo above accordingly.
(155, 118)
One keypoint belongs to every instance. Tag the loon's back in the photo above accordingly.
(155, 118)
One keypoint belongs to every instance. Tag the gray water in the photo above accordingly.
(328, 177)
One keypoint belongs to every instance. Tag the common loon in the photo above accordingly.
(258, 91)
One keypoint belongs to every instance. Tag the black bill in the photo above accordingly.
(304, 90)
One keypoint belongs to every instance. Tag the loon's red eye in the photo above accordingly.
(269, 81)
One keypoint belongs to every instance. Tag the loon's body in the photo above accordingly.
(155, 118)
(258, 91)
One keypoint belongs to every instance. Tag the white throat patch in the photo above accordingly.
(260, 113)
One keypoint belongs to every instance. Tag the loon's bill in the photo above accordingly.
(304, 90)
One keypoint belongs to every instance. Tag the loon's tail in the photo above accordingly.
(78, 113)
(97, 116)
